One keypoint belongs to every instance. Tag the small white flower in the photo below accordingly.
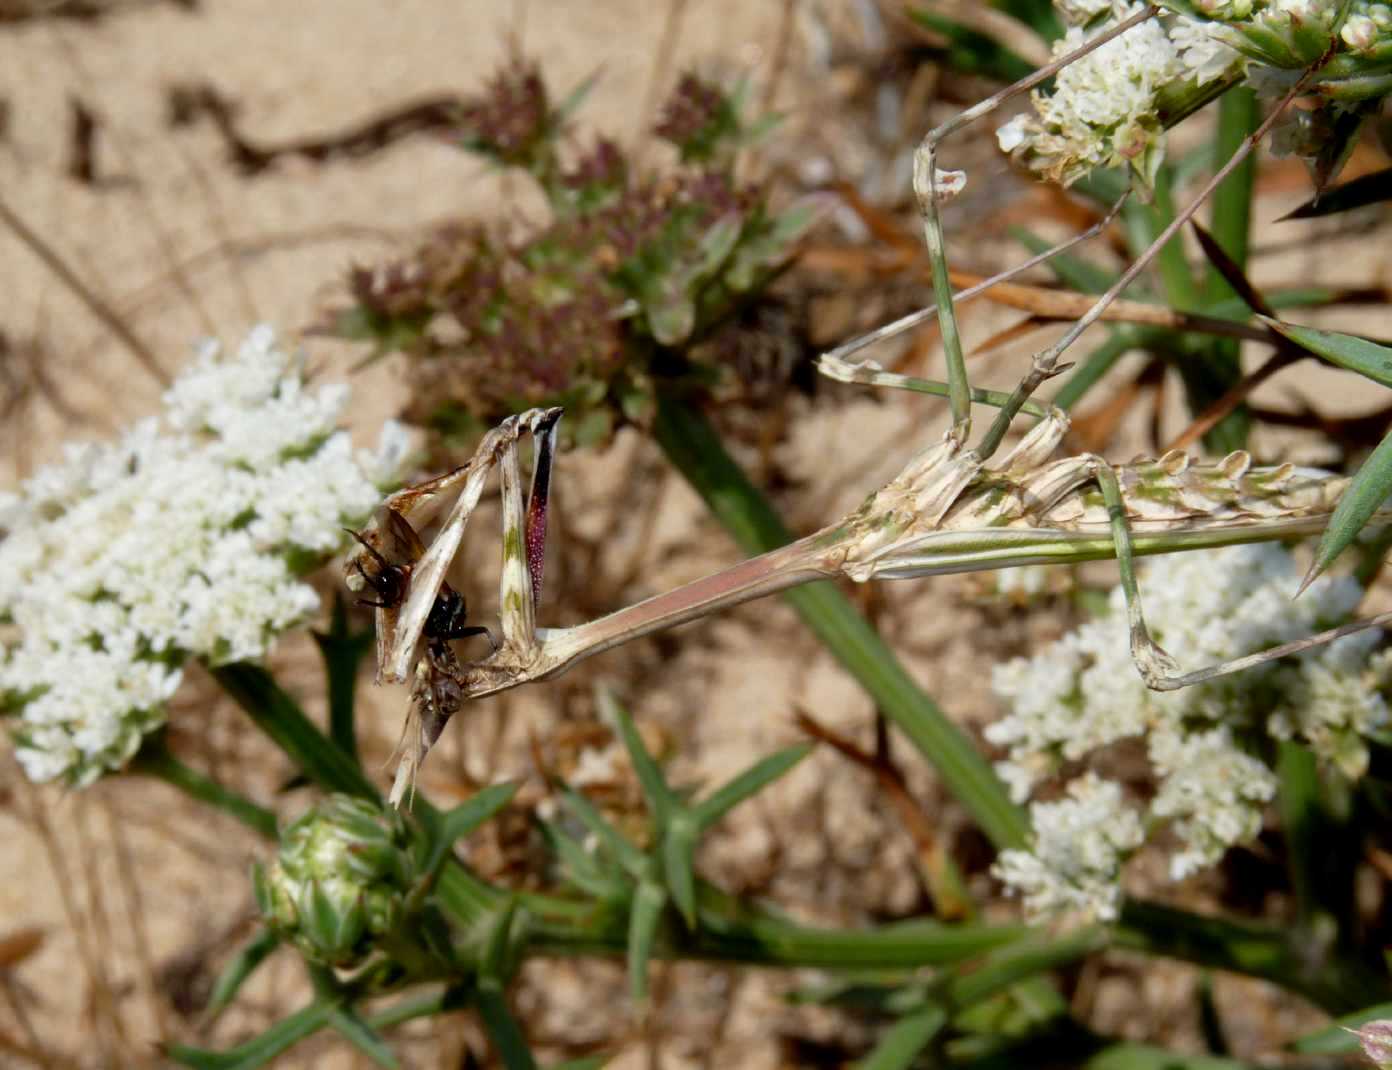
(182, 539)
(1084, 693)
(1102, 111)
(1359, 32)
(1075, 859)
(1202, 51)
(1081, 12)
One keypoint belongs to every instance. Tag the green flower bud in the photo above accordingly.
(340, 880)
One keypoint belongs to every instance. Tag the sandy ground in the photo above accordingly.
(140, 898)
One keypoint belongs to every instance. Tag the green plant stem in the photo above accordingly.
(1231, 226)
(570, 927)
(1230, 222)
(1301, 820)
(769, 942)
(1283, 956)
(279, 716)
(154, 759)
(693, 446)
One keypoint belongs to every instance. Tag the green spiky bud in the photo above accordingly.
(340, 880)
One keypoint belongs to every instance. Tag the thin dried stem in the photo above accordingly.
(148, 209)
(104, 313)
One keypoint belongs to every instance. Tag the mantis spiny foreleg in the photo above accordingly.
(524, 539)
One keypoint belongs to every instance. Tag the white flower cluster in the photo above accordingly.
(184, 539)
(1079, 846)
(1110, 107)
(1084, 693)
(1103, 110)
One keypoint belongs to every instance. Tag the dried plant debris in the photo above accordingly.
(637, 278)
(81, 10)
(185, 104)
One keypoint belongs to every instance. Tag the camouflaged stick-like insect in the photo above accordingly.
(947, 511)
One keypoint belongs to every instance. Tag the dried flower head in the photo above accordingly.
(185, 538)
(512, 118)
(588, 310)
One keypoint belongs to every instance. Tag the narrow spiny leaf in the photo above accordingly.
(661, 802)
(1360, 355)
(1366, 492)
(752, 780)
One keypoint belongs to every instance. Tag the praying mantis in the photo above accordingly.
(954, 507)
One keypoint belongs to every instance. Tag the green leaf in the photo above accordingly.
(750, 782)
(678, 864)
(575, 98)
(649, 901)
(1073, 271)
(661, 801)
(441, 1001)
(342, 650)
(155, 759)
(261, 1050)
(508, 1039)
(463, 819)
(581, 868)
(254, 952)
(1346, 350)
(499, 958)
(1336, 1039)
(279, 716)
(362, 1036)
(1097, 364)
(1359, 193)
(1142, 1057)
(1364, 494)
(622, 851)
(899, 1047)
(320, 918)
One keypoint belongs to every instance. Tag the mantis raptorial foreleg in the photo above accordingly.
(417, 613)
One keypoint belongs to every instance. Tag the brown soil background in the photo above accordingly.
(131, 898)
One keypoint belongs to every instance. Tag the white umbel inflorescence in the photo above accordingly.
(1080, 843)
(1104, 108)
(185, 538)
(1202, 742)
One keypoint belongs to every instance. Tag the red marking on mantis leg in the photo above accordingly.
(534, 533)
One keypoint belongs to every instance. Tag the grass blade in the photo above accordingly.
(1346, 350)
(254, 952)
(260, 1050)
(899, 1047)
(362, 1036)
(279, 716)
(752, 780)
(1359, 193)
(661, 803)
(1368, 490)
